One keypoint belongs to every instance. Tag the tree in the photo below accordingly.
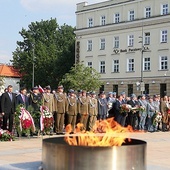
(47, 45)
(81, 77)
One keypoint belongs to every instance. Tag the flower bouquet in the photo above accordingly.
(46, 120)
(137, 108)
(168, 111)
(5, 135)
(125, 108)
(157, 118)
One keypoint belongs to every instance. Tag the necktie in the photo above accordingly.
(23, 98)
(10, 95)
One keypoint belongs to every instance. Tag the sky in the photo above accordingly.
(18, 14)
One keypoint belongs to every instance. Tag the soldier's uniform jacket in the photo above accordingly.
(83, 105)
(35, 100)
(48, 100)
(71, 107)
(60, 102)
(164, 108)
(93, 107)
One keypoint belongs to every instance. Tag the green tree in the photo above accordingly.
(81, 77)
(48, 46)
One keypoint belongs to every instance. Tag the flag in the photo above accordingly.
(41, 90)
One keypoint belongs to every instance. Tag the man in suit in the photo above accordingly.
(8, 106)
(22, 98)
(60, 102)
(132, 118)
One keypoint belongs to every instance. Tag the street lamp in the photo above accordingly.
(33, 57)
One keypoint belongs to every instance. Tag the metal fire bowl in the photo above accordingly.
(58, 155)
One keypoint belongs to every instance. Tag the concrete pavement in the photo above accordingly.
(25, 154)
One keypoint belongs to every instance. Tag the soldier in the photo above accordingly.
(83, 109)
(60, 103)
(48, 99)
(71, 109)
(102, 106)
(93, 110)
(35, 101)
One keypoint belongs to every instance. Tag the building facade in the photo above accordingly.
(127, 42)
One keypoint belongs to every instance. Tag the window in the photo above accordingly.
(131, 15)
(146, 89)
(90, 22)
(147, 64)
(89, 64)
(103, 20)
(163, 63)
(102, 66)
(116, 18)
(147, 12)
(130, 40)
(164, 35)
(116, 42)
(130, 89)
(130, 65)
(163, 89)
(89, 45)
(115, 66)
(147, 38)
(164, 9)
(102, 43)
(115, 88)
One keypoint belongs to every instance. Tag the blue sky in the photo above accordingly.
(18, 14)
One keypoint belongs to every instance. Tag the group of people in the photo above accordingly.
(86, 107)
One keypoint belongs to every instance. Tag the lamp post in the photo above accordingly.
(33, 67)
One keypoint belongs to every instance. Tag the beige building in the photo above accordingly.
(128, 43)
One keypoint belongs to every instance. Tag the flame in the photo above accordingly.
(105, 133)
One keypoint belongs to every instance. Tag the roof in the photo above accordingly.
(8, 71)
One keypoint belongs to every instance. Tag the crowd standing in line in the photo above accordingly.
(143, 113)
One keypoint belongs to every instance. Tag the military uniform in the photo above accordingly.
(83, 110)
(93, 112)
(71, 110)
(60, 103)
(48, 100)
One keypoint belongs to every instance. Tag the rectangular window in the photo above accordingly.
(146, 89)
(147, 12)
(164, 36)
(102, 43)
(147, 38)
(115, 66)
(131, 15)
(103, 20)
(116, 18)
(147, 64)
(164, 9)
(102, 66)
(130, 89)
(90, 22)
(89, 64)
(116, 42)
(115, 88)
(89, 45)
(130, 40)
(163, 63)
(130, 65)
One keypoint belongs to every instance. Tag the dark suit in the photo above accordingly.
(22, 100)
(132, 118)
(8, 107)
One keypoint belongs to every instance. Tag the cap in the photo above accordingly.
(84, 91)
(133, 95)
(110, 93)
(123, 93)
(79, 91)
(60, 87)
(71, 91)
(92, 93)
(102, 92)
(48, 87)
(35, 88)
(114, 93)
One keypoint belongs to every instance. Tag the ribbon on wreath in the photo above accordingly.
(27, 119)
